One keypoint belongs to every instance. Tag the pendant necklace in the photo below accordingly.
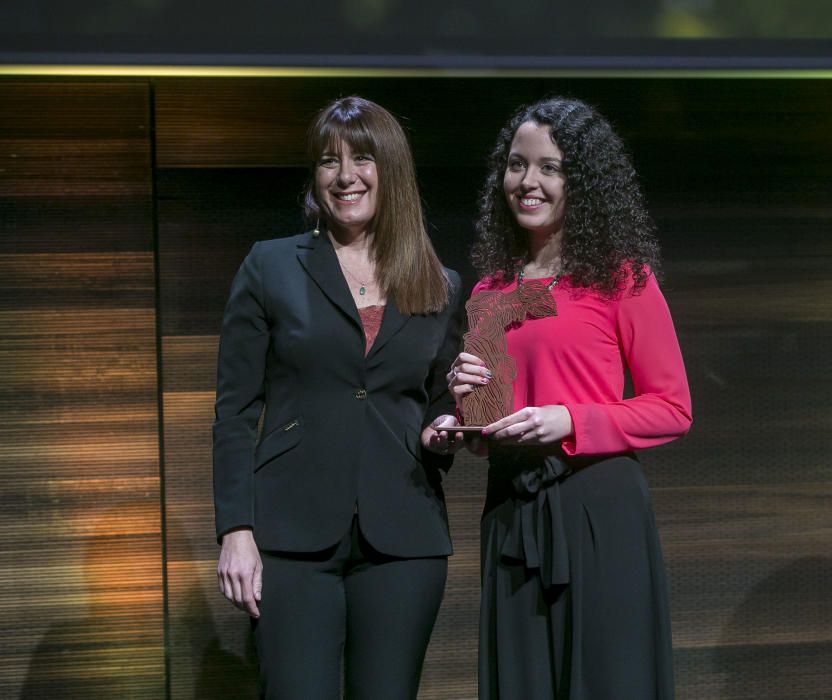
(362, 290)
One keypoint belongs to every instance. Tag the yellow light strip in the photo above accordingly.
(139, 71)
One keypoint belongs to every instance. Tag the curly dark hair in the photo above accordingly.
(607, 232)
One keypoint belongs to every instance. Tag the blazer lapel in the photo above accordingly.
(391, 323)
(318, 258)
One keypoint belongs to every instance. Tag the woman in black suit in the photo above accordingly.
(333, 524)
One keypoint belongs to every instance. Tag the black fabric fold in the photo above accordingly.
(536, 533)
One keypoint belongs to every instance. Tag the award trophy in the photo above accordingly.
(490, 314)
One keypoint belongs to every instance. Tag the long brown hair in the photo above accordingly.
(407, 267)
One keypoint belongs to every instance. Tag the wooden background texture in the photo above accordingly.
(127, 205)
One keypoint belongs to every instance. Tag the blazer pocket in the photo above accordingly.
(278, 441)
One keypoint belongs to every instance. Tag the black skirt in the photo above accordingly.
(574, 596)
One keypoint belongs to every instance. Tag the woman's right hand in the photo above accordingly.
(240, 570)
(467, 372)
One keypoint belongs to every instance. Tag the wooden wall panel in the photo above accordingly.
(738, 176)
(742, 199)
(81, 565)
(221, 123)
(210, 651)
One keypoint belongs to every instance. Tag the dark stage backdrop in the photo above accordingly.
(108, 562)
(660, 34)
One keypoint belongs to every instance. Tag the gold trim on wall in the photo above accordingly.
(153, 71)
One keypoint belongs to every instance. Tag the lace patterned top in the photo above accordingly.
(371, 320)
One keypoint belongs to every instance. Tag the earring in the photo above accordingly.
(317, 231)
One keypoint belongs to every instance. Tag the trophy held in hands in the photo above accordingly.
(490, 314)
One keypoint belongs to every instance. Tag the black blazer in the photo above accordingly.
(338, 429)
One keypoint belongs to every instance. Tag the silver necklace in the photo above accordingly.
(549, 286)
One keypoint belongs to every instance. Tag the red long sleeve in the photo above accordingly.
(578, 358)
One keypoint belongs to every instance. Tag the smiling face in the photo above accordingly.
(534, 184)
(346, 188)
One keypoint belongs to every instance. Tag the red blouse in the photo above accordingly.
(371, 320)
(578, 357)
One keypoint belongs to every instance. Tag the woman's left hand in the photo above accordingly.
(438, 438)
(533, 425)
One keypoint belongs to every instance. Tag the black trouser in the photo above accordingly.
(378, 610)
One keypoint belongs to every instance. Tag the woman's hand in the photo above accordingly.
(240, 571)
(533, 425)
(438, 436)
(465, 374)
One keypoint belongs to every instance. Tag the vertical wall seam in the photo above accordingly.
(160, 388)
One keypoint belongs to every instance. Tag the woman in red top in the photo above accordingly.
(574, 600)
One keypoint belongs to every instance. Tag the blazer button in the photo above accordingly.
(361, 394)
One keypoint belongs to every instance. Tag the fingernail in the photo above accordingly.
(488, 373)
(483, 380)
